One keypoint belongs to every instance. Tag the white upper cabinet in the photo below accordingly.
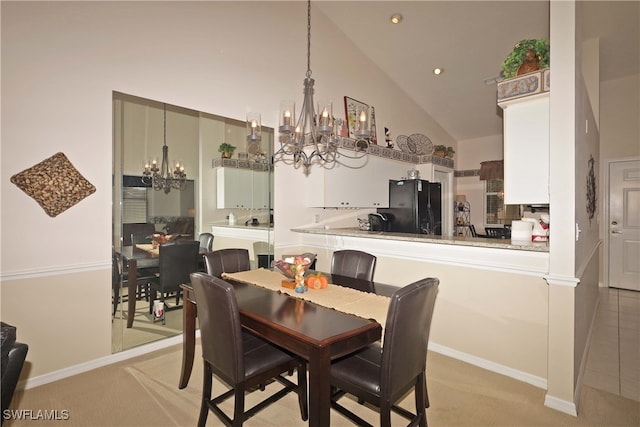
(234, 188)
(526, 150)
(356, 183)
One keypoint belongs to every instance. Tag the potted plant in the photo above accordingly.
(440, 150)
(535, 51)
(449, 153)
(226, 150)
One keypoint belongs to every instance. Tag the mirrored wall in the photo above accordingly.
(231, 198)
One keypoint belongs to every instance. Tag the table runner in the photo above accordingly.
(347, 300)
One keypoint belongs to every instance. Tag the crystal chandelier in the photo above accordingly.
(162, 178)
(320, 135)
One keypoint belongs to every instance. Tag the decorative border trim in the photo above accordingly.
(524, 85)
(466, 173)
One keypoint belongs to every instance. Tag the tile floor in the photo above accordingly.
(613, 364)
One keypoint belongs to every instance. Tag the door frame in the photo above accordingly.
(605, 223)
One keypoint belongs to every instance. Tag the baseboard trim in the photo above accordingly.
(99, 362)
(489, 365)
(561, 405)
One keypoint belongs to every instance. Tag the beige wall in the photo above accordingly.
(57, 86)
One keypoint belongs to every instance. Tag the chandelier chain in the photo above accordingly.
(309, 38)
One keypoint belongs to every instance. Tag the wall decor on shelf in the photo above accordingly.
(352, 109)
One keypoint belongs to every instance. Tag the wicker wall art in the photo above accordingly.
(54, 183)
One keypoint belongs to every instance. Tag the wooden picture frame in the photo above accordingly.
(351, 107)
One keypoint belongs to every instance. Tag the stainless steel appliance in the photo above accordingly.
(415, 206)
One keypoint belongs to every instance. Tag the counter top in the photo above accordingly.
(443, 240)
(262, 227)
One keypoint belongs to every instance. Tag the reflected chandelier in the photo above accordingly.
(163, 178)
(319, 134)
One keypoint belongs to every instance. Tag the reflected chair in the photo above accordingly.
(241, 360)
(474, 233)
(351, 263)
(230, 260)
(177, 261)
(119, 280)
(138, 227)
(206, 242)
(497, 232)
(382, 375)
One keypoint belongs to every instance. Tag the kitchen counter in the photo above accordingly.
(443, 240)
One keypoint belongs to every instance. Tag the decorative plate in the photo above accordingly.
(401, 142)
(419, 144)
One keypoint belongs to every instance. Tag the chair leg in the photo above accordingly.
(116, 299)
(207, 380)
(422, 401)
(238, 407)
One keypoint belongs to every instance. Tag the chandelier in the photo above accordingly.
(319, 135)
(162, 178)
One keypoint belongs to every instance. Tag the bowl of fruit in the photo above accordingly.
(289, 264)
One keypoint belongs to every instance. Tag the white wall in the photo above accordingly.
(61, 61)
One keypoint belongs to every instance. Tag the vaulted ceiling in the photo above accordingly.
(469, 40)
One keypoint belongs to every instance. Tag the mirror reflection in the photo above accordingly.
(213, 187)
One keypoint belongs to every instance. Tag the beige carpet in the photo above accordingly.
(143, 392)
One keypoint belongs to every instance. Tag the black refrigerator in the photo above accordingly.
(415, 206)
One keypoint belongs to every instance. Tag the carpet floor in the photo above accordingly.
(143, 392)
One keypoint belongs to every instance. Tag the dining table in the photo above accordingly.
(314, 332)
(140, 256)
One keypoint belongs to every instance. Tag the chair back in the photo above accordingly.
(177, 261)
(115, 269)
(220, 327)
(135, 227)
(230, 260)
(351, 263)
(406, 336)
(143, 237)
(497, 232)
(206, 242)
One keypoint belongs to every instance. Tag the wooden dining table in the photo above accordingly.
(317, 334)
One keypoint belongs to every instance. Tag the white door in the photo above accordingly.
(624, 225)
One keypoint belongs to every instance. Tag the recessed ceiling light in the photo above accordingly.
(396, 18)
(437, 71)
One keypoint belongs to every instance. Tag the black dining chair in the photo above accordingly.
(352, 263)
(240, 359)
(177, 260)
(382, 374)
(120, 279)
(497, 232)
(229, 260)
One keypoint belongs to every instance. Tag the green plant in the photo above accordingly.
(540, 48)
(226, 148)
(437, 148)
(449, 152)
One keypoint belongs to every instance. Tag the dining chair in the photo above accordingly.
(120, 279)
(352, 263)
(206, 242)
(138, 227)
(229, 260)
(382, 374)
(240, 359)
(177, 260)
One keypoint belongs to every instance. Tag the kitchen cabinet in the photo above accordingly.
(260, 187)
(526, 150)
(356, 183)
(240, 188)
(234, 188)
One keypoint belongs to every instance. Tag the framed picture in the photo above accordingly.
(351, 108)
